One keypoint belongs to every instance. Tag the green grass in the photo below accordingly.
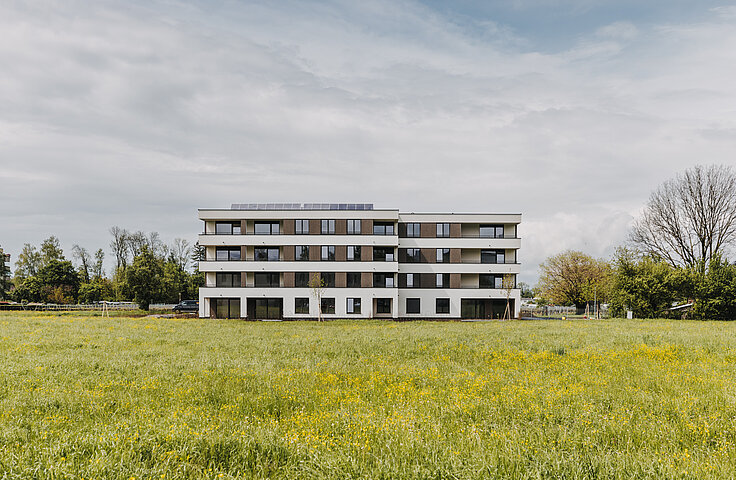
(86, 397)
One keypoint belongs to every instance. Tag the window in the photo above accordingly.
(413, 230)
(443, 230)
(412, 305)
(301, 227)
(266, 279)
(354, 253)
(353, 305)
(443, 305)
(328, 279)
(301, 253)
(266, 254)
(301, 279)
(383, 228)
(354, 227)
(266, 228)
(413, 255)
(227, 228)
(227, 308)
(328, 252)
(443, 255)
(409, 280)
(328, 305)
(383, 254)
(227, 254)
(383, 280)
(443, 280)
(328, 227)
(383, 305)
(353, 279)
(301, 305)
(492, 256)
(268, 307)
(227, 279)
(491, 231)
(486, 280)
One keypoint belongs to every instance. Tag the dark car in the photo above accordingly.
(186, 306)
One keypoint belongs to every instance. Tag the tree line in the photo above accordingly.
(675, 263)
(146, 271)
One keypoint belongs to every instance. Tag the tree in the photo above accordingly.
(85, 263)
(180, 252)
(27, 290)
(28, 262)
(509, 283)
(645, 285)
(526, 290)
(690, 218)
(572, 277)
(51, 251)
(716, 292)
(144, 278)
(119, 246)
(317, 285)
(4, 275)
(175, 283)
(97, 271)
(59, 281)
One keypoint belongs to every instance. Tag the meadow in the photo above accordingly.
(133, 398)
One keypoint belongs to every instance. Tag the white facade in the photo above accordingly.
(468, 282)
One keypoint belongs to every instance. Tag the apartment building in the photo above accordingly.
(260, 260)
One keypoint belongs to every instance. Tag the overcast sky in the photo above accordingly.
(568, 111)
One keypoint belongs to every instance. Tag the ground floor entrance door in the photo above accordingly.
(472, 308)
(227, 307)
(266, 308)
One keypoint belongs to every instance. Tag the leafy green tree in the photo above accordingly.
(90, 292)
(28, 262)
(4, 276)
(716, 292)
(27, 290)
(645, 285)
(573, 277)
(175, 282)
(59, 281)
(145, 278)
(51, 251)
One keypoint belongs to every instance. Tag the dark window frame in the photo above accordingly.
(233, 254)
(301, 258)
(443, 230)
(383, 228)
(383, 306)
(413, 230)
(327, 253)
(413, 255)
(416, 306)
(443, 255)
(354, 227)
(328, 279)
(350, 279)
(355, 249)
(299, 305)
(328, 305)
(440, 306)
(353, 305)
(274, 280)
(233, 226)
(327, 226)
(299, 227)
(271, 229)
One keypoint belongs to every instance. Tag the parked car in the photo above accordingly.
(186, 306)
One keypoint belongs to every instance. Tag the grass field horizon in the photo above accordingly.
(88, 397)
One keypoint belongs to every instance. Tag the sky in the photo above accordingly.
(570, 112)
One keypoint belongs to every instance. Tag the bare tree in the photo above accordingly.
(97, 271)
(85, 263)
(136, 241)
(690, 218)
(509, 283)
(180, 251)
(317, 286)
(120, 246)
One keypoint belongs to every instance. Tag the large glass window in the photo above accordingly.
(413, 305)
(413, 255)
(491, 231)
(301, 227)
(301, 305)
(443, 230)
(301, 279)
(266, 228)
(354, 253)
(328, 252)
(489, 280)
(353, 305)
(354, 227)
(227, 307)
(227, 279)
(353, 279)
(443, 305)
(268, 307)
(328, 227)
(223, 254)
(328, 305)
(383, 254)
(328, 279)
(492, 256)
(265, 280)
(266, 254)
(301, 253)
(413, 230)
(443, 280)
(443, 255)
(383, 280)
(383, 228)
(227, 228)
(383, 305)
(409, 280)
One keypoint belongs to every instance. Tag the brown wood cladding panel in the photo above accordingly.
(288, 279)
(427, 280)
(366, 279)
(243, 279)
(429, 255)
(428, 230)
(315, 253)
(242, 254)
(243, 227)
(402, 255)
(341, 253)
(366, 253)
(289, 227)
(454, 280)
(455, 230)
(455, 255)
(341, 279)
(287, 253)
(366, 226)
(402, 230)
(341, 227)
(314, 227)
